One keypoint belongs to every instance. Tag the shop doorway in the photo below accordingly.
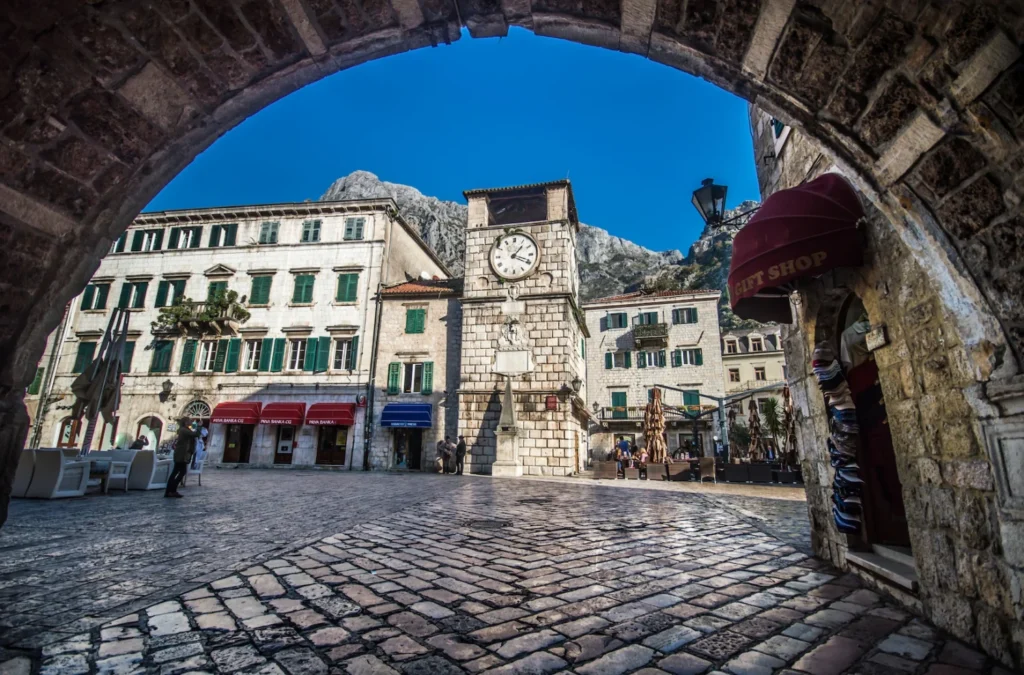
(238, 443)
(285, 444)
(409, 449)
(67, 435)
(330, 449)
(151, 428)
(884, 514)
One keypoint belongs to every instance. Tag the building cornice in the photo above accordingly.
(255, 211)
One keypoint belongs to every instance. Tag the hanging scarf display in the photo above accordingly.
(843, 442)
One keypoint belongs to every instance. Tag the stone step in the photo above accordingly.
(900, 554)
(886, 569)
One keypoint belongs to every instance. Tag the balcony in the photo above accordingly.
(651, 335)
(215, 317)
(636, 413)
(747, 385)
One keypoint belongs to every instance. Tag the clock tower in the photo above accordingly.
(521, 299)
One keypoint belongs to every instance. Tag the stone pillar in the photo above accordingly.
(506, 461)
(13, 432)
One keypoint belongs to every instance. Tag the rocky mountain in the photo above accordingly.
(608, 264)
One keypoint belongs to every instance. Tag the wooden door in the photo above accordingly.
(415, 448)
(233, 443)
(331, 448)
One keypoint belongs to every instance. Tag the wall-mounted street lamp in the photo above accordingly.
(709, 200)
(165, 390)
(576, 384)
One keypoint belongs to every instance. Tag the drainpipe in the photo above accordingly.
(56, 348)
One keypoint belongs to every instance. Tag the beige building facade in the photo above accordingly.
(521, 248)
(640, 340)
(289, 386)
(753, 359)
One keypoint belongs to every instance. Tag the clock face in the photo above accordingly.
(515, 256)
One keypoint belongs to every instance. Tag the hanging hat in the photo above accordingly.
(844, 523)
(846, 506)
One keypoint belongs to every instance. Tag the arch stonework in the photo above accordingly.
(102, 103)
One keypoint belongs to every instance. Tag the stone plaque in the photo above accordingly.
(876, 338)
(511, 362)
(1004, 440)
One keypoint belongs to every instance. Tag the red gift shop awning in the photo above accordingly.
(800, 232)
(283, 412)
(340, 414)
(241, 412)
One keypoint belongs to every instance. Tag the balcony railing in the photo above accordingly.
(651, 333)
(747, 385)
(636, 413)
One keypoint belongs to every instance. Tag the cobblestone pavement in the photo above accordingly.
(510, 577)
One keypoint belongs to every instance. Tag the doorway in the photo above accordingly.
(409, 449)
(237, 443)
(151, 428)
(331, 447)
(67, 435)
(285, 444)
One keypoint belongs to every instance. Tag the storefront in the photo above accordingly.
(407, 422)
(333, 422)
(239, 420)
(286, 417)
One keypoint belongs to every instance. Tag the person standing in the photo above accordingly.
(442, 448)
(460, 455)
(139, 443)
(184, 446)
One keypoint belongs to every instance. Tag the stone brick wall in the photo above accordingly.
(935, 395)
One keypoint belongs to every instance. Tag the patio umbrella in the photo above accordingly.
(654, 429)
(754, 424)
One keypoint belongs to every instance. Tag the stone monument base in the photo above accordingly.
(506, 463)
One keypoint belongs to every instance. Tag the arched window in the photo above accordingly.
(197, 410)
(151, 427)
(67, 434)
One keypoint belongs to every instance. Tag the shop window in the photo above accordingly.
(260, 293)
(684, 315)
(95, 296)
(760, 375)
(297, 354)
(268, 232)
(310, 231)
(303, 293)
(150, 427)
(354, 228)
(223, 235)
(734, 374)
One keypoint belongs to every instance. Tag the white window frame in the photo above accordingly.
(312, 227)
(342, 347)
(764, 374)
(148, 240)
(253, 351)
(409, 381)
(362, 228)
(296, 354)
(618, 359)
(185, 237)
(732, 347)
(269, 230)
(207, 356)
(736, 372)
(757, 341)
(688, 357)
(652, 359)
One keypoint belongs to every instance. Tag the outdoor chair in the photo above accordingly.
(23, 474)
(678, 471)
(120, 467)
(55, 476)
(631, 474)
(195, 468)
(707, 469)
(760, 473)
(148, 472)
(606, 469)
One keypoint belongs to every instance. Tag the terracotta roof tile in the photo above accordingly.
(424, 287)
(640, 295)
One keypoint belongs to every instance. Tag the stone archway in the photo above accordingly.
(102, 103)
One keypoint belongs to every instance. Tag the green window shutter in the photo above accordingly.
(214, 288)
(197, 237)
(415, 320)
(129, 356)
(234, 354)
(277, 361)
(693, 315)
(394, 373)
(126, 295)
(260, 294)
(608, 360)
(121, 241)
(102, 291)
(173, 237)
(230, 231)
(188, 356)
(140, 294)
(603, 324)
(309, 363)
(428, 378)
(37, 382)
(641, 359)
(698, 357)
(179, 290)
(84, 356)
(266, 352)
(161, 293)
(629, 359)
(618, 399)
(158, 240)
(353, 353)
(347, 287)
(215, 233)
(221, 356)
(323, 355)
(661, 358)
(691, 397)
(303, 289)
(137, 240)
(162, 350)
(88, 296)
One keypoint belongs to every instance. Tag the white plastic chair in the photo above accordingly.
(120, 467)
(147, 472)
(55, 476)
(195, 468)
(23, 474)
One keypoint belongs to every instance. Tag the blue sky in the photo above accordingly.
(635, 137)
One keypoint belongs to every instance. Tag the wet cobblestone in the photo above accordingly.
(374, 574)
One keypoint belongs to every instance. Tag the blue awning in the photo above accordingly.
(409, 415)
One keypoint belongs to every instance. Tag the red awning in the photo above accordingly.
(800, 232)
(342, 414)
(242, 412)
(283, 412)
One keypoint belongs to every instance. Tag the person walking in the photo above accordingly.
(184, 446)
(442, 448)
(460, 455)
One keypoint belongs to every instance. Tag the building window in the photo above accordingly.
(253, 352)
(650, 359)
(684, 315)
(147, 240)
(616, 320)
(86, 350)
(95, 296)
(133, 295)
(215, 289)
(310, 231)
(162, 351)
(345, 353)
(691, 398)
(731, 347)
(119, 243)
(617, 360)
(268, 233)
(687, 357)
(647, 318)
(354, 228)
(759, 374)
(128, 356)
(207, 355)
(756, 345)
(348, 286)
(223, 235)
(762, 404)
(777, 127)
(37, 382)
(260, 293)
(185, 237)
(734, 374)
(303, 294)
(169, 292)
(415, 320)
(413, 377)
(619, 405)
(297, 356)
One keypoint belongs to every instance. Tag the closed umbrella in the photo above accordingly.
(654, 429)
